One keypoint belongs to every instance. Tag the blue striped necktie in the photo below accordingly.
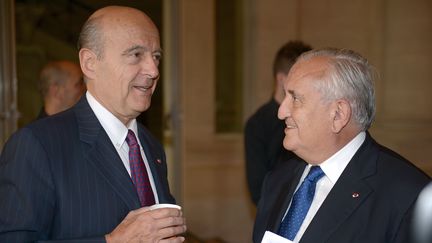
(300, 204)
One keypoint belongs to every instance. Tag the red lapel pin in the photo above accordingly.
(355, 195)
(159, 161)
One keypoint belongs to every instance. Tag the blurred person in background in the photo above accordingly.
(61, 85)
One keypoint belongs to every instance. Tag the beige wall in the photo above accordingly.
(214, 194)
(395, 36)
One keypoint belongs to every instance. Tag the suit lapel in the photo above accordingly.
(284, 199)
(103, 156)
(349, 192)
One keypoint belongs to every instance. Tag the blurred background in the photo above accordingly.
(216, 72)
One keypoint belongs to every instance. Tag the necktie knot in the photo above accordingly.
(131, 139)
(315, 173)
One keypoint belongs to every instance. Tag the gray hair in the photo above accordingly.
(350, 77)
(91, 36)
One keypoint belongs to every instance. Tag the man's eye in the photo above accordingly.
(157, 57)
(136, 54)
(296, 99)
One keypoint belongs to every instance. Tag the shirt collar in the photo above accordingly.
(336, 164)
(115, 129)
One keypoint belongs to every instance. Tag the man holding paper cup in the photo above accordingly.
(92, 173)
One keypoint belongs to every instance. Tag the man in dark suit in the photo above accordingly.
(72, 176)
(344, 187)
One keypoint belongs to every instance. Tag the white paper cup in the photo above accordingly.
(164, 205)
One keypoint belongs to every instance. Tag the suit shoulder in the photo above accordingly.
(399, 175)
(61, 123)
(59, 119)
(395, 162)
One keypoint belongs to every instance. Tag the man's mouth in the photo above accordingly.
(290, 124)
(143, 88)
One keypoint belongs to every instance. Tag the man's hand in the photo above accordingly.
(144, 225)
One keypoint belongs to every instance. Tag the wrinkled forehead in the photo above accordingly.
(315, 68)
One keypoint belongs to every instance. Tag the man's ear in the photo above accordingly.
(341, 114)
(280, 77)
(88, 62)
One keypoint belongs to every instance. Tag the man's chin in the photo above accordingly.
(141, 107)
(287, 145)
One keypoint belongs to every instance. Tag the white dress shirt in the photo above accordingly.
(117, 133)
(332, 168)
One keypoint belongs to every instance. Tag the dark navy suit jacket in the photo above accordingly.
(371, 202)
(62, 179)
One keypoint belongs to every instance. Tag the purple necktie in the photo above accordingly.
(138, 171)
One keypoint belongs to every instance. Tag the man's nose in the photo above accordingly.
(150, 67)
(284, 110)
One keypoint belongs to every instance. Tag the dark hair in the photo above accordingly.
(287, 55)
